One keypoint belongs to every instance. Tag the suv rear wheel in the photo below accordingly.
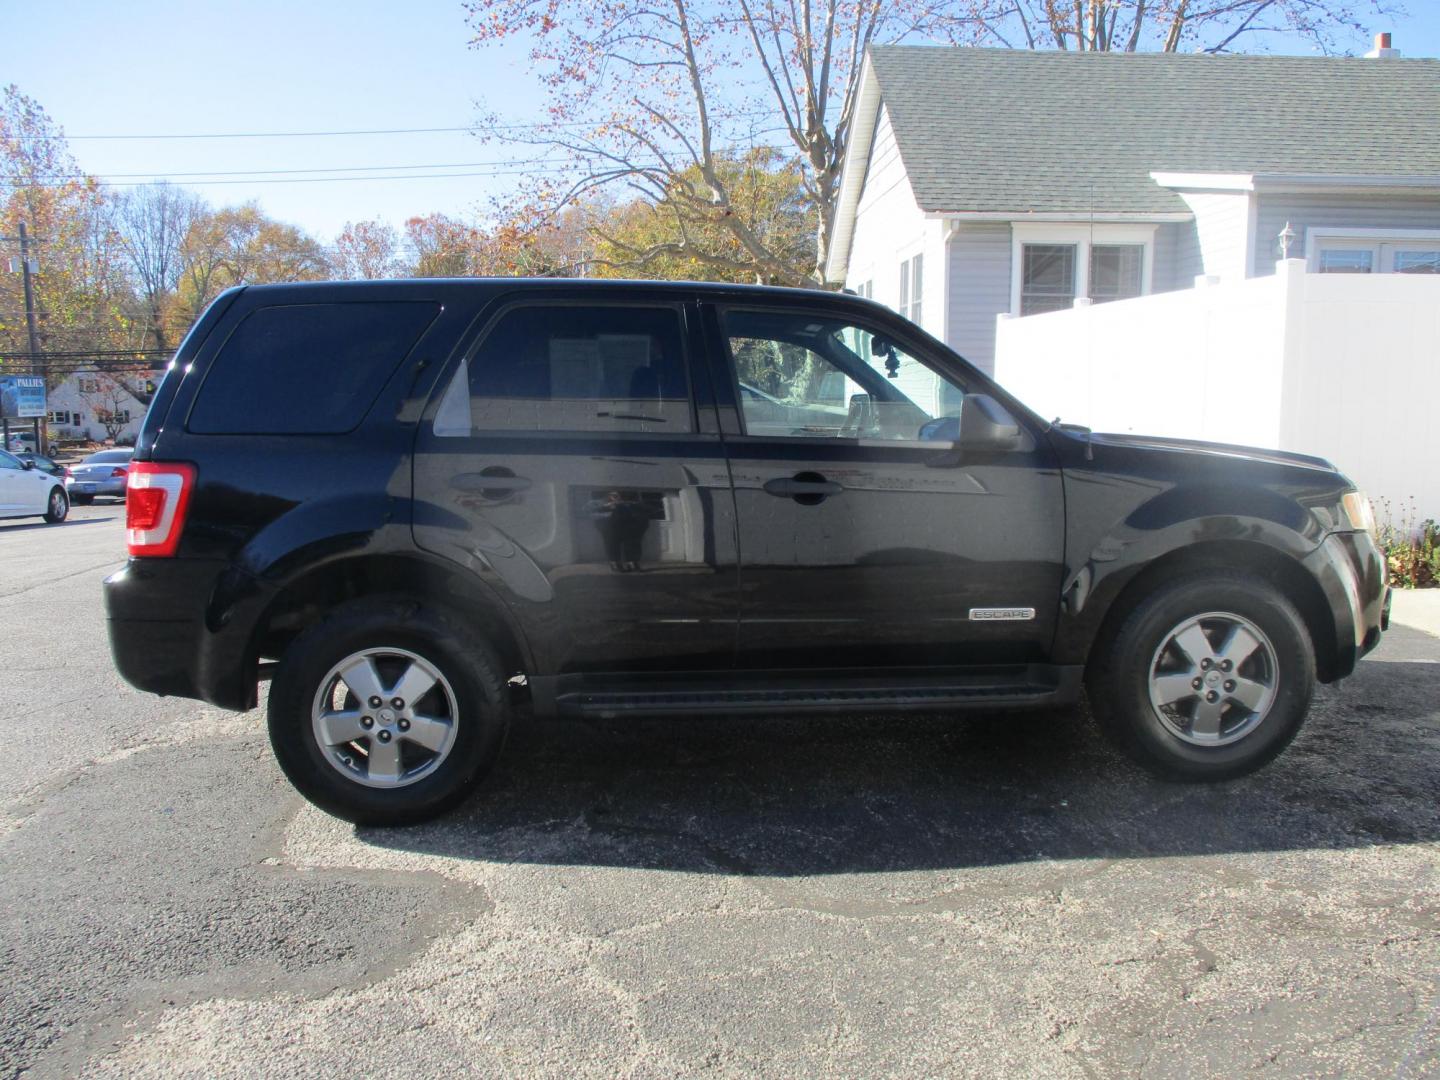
(1208, 678)
(385, 713)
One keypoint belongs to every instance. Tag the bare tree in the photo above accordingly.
(109, 400)
(657, 96)
(152, 224)
(661, 96)
(1212, 26)
(367, 249)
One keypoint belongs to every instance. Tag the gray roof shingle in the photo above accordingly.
(1009, 130)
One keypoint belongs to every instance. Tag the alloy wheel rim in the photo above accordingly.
(57, 504)
(385, 717)
(1213, 679)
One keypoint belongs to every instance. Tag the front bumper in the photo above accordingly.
(1351, 572)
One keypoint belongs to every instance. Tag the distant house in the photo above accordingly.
(91, 406)
(982, 182)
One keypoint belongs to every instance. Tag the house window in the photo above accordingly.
(1052, 265)
(1373, 251)
(1418, 262)
(912, 281)
(866, 289)
(1347, 261)
(1116, 271)
(1047, 278)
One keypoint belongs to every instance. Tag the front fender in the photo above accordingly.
(1221, 520)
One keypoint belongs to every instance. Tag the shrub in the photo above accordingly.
(1412, 551)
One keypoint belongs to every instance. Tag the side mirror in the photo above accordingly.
(28, 464)
(985, 424)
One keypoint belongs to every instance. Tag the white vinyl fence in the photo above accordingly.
(1346, 366)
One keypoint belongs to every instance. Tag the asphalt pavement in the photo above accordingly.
(786, 897)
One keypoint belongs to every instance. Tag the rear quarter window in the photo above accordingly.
(306, 369)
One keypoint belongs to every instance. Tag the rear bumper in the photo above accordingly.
(110, 489)
(168, 637)
(1351, 571)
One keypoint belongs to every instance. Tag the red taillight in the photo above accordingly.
(65, 471)
(157, 497)
(116, 472)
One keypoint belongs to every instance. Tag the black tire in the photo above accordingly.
(481, 719)
(57, 509)
(1118, 681)
(82, 500)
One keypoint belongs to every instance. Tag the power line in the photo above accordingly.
(276, 172)
(538, 125)
(321, 179)
(270, 134)
(321, 134)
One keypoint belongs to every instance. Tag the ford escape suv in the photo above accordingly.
(417, 506)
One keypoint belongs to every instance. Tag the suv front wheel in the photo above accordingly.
(1208, 678)
(385, 713)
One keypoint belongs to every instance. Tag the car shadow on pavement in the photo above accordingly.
(789, 796)
(26, 525)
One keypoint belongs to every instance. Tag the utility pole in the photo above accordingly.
(26, 268)
(29, 302)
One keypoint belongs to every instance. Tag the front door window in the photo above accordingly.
(808, 376)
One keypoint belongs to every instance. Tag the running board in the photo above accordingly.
(607, 696)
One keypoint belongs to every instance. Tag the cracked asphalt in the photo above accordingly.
(881, 896)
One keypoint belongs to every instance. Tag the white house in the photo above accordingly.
(988, 181)
(1102, 233)
(79, 407)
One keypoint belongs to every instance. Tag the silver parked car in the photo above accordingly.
(103, 473)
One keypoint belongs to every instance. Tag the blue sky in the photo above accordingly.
(149, 67)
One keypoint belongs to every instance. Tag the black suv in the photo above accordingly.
(420, 505)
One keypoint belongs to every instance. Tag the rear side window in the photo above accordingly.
(306, 369)
(573, 368)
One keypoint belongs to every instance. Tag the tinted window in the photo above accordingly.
(107, 456)
(306, 369)
(573, 369)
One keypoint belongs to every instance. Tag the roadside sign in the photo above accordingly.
(22, 397)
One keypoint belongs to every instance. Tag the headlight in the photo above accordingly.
(1359, 511)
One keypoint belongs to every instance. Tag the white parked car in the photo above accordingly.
(26, 491)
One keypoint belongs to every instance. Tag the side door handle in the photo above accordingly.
(493, 483)
(806, 488)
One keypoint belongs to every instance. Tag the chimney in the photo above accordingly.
(1382, 49)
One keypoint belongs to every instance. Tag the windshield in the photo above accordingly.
(109, 456)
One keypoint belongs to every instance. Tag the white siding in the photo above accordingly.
(889, 226)
(1177, 257)
(1222, 227)
(978, 289)
(1336, 212)
(67, 398)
